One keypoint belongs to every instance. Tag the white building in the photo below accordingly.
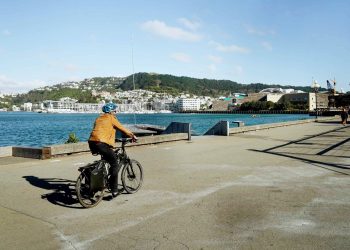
(68, 105)
(186, 104)
(15, 108)
(273, 97)
(27, 106)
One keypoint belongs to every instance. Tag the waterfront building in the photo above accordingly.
(188, 104)
(280, 90)
(15, 108)
(28, 106)
(276, 96)
(308, 99)
(69, 105)
(220, 105)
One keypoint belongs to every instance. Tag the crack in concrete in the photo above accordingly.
(57, 231)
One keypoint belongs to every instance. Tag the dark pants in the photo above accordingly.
(106, 151)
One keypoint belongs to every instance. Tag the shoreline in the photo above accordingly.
(45, 152)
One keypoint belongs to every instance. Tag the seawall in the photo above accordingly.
(175, 132)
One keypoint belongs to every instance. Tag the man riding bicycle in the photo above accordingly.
(102, 141)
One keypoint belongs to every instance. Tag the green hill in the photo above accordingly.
(177, 84)
(82, 91)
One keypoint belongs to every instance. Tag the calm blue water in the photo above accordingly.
(34, 129)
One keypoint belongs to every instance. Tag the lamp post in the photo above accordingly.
(315, 86)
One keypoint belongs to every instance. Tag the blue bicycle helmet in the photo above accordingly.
(109, 107)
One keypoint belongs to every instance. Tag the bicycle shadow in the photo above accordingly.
(63, 191)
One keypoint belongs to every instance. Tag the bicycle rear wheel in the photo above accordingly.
(86, 197)
(132, 176)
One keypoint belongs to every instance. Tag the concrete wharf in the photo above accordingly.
(278, 188)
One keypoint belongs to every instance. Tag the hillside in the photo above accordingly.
(177, 84)
(82, 91)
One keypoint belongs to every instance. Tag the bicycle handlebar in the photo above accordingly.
(125, 140)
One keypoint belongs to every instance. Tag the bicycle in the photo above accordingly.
(93, 179)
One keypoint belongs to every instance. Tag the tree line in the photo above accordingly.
(170, 84)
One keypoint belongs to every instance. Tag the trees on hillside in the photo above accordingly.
(263, 105)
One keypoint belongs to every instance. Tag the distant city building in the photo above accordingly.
(274, 97)
(68, 105)
(187, 104)
(309, 99)
(27, 106)
(221, 105)
(15, 108)
(280, 90)
(271, 90)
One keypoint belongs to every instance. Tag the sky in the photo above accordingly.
(287, 42)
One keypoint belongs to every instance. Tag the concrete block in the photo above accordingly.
(5, 151)
(179, 127)
(160, 138)
(238, 123)
(27, 152)
(267, 126)
(46, 153)
(221, 128)
(68, 148)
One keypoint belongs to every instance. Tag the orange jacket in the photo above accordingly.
(105, 127)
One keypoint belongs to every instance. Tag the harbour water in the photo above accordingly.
(40, 129)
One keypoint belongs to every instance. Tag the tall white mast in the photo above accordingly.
(133, 70)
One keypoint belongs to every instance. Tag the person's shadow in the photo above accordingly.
(62, 191)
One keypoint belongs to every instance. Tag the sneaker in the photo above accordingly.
(115, 194)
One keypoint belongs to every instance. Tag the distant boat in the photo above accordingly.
(38, 110)
(163, 111)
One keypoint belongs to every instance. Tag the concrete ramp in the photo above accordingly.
(179, 127)
(221, 128)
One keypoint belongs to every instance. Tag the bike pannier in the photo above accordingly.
(97, 180)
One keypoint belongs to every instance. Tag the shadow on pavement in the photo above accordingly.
(317, 163)
(330, 122)
(62, 190)
(315, 149)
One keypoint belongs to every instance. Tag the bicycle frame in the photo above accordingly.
(121, 153)
(90, 192)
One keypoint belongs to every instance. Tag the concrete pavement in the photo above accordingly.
(281, 188)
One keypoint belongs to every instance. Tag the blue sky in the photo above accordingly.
(266, 41)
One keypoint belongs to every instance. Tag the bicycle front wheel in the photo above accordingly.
(86, 197)
(132, 176)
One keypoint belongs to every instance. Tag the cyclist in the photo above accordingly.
(102, 141)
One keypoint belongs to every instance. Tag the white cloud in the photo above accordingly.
(72, 68)
(266, 45)
(212, 68)
(238, 70)
(162, 29)
(6, 32)
(229, 48)
(181, 57)
(9, 86)
(215, 59)
(4, 81)
(259, 32)
(192, 25)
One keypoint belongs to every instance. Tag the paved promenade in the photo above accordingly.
(281, 188)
